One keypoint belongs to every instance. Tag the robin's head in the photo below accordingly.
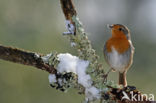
(119, 30)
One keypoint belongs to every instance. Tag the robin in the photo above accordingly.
(118, 51)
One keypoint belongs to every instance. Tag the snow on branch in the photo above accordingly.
(72, 64)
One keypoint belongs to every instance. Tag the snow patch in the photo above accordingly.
(69, 63)
(70, 27)
(52, 78)
(92, 93)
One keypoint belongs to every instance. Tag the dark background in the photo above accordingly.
(37, 25)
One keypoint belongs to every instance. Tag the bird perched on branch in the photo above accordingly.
(118, 51)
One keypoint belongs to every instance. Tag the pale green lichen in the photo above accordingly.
(85, 51)
(64, 81)
(51, 59)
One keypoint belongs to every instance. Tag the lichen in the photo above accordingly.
(95, 70)
(51, 59)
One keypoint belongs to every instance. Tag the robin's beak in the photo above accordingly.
(109, 26)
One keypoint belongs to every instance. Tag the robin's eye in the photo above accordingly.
(120, 29)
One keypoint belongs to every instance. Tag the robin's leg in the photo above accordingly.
(106, 75)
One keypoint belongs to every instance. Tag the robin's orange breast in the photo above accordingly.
(120, 44)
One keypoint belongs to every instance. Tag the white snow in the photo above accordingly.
(52, 78)
(72, 44)
(70, 27)
(46, 58)
(60, 81)
(92, 93)
(69, 63)
(83, 78)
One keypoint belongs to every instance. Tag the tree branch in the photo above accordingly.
(69, 11)
(24, 57)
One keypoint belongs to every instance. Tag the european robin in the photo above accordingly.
(119, 50)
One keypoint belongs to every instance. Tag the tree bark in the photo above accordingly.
(24, 57)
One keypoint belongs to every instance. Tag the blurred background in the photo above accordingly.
(37, 25)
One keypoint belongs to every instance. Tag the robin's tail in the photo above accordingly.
(122, 79)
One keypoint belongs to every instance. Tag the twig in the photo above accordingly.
(24, 57)
(69, 11)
